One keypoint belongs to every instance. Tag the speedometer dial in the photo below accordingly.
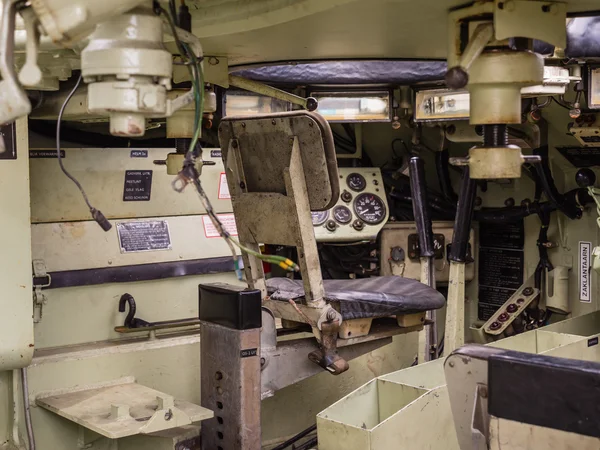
(370, 208)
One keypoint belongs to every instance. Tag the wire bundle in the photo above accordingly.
(190, 174)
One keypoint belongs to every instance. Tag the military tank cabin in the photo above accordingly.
(299, 224)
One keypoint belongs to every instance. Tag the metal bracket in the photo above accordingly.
(327, 355)
(480, 421)
(512, 308)
(515, 18)
(39, 298)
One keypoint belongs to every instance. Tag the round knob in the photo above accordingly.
(312, 103)
(346, 196)
(585, 177)
(456, 78)
(331, 226)
(358, 225)
(397, 254)
(512, 308)
(495, 326)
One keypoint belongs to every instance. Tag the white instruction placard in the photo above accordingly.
(228, 221)
(585, 279)
(223, 187)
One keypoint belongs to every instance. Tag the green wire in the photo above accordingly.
(197, 78)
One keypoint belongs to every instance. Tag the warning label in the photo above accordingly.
(228, 221)
(223, 187)
(137, 186)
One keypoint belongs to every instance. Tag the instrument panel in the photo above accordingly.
(360, 212)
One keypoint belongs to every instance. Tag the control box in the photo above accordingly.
(361, 211)
(400, 253)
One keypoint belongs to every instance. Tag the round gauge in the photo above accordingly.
(369, 208)
(342, 214)
(356, 182)
(319, 217)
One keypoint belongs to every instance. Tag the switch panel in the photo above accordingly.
(400, 251)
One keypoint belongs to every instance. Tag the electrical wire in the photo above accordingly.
(96, 214)
(190, 174)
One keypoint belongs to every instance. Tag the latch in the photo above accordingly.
(41, 279)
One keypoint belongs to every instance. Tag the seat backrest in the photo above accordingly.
(266, 143)
(280, 167)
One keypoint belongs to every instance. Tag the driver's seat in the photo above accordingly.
(280, 167)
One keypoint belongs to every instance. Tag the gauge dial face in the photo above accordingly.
(356, 182)
(369, 208)
(342, 214)
(319, 217)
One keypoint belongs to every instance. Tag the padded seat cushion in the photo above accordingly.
(366, 297)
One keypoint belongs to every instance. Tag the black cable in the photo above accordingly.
(96, 214)
(173, 11)
(308, 444)
(546, 180)
(296, 438)
(442, 164)
(559, 103)
(542, 244)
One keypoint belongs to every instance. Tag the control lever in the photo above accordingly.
(428, 337)
(454, 336)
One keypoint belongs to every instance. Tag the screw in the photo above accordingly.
(169, 415)
(331, 314)
(528, 291)
(274, 122)
(262, 361)
(478, 201)
(509, 202)
(451, 130)
(243, 124)
(483, 392)
(242, 185)
(311, 124)
(451, 364)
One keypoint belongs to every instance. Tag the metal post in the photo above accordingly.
(230, 362)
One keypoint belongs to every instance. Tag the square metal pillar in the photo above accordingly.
(230, 366)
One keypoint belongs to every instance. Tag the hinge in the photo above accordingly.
(41, 279)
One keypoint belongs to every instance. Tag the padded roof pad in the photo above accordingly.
(366, 297)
